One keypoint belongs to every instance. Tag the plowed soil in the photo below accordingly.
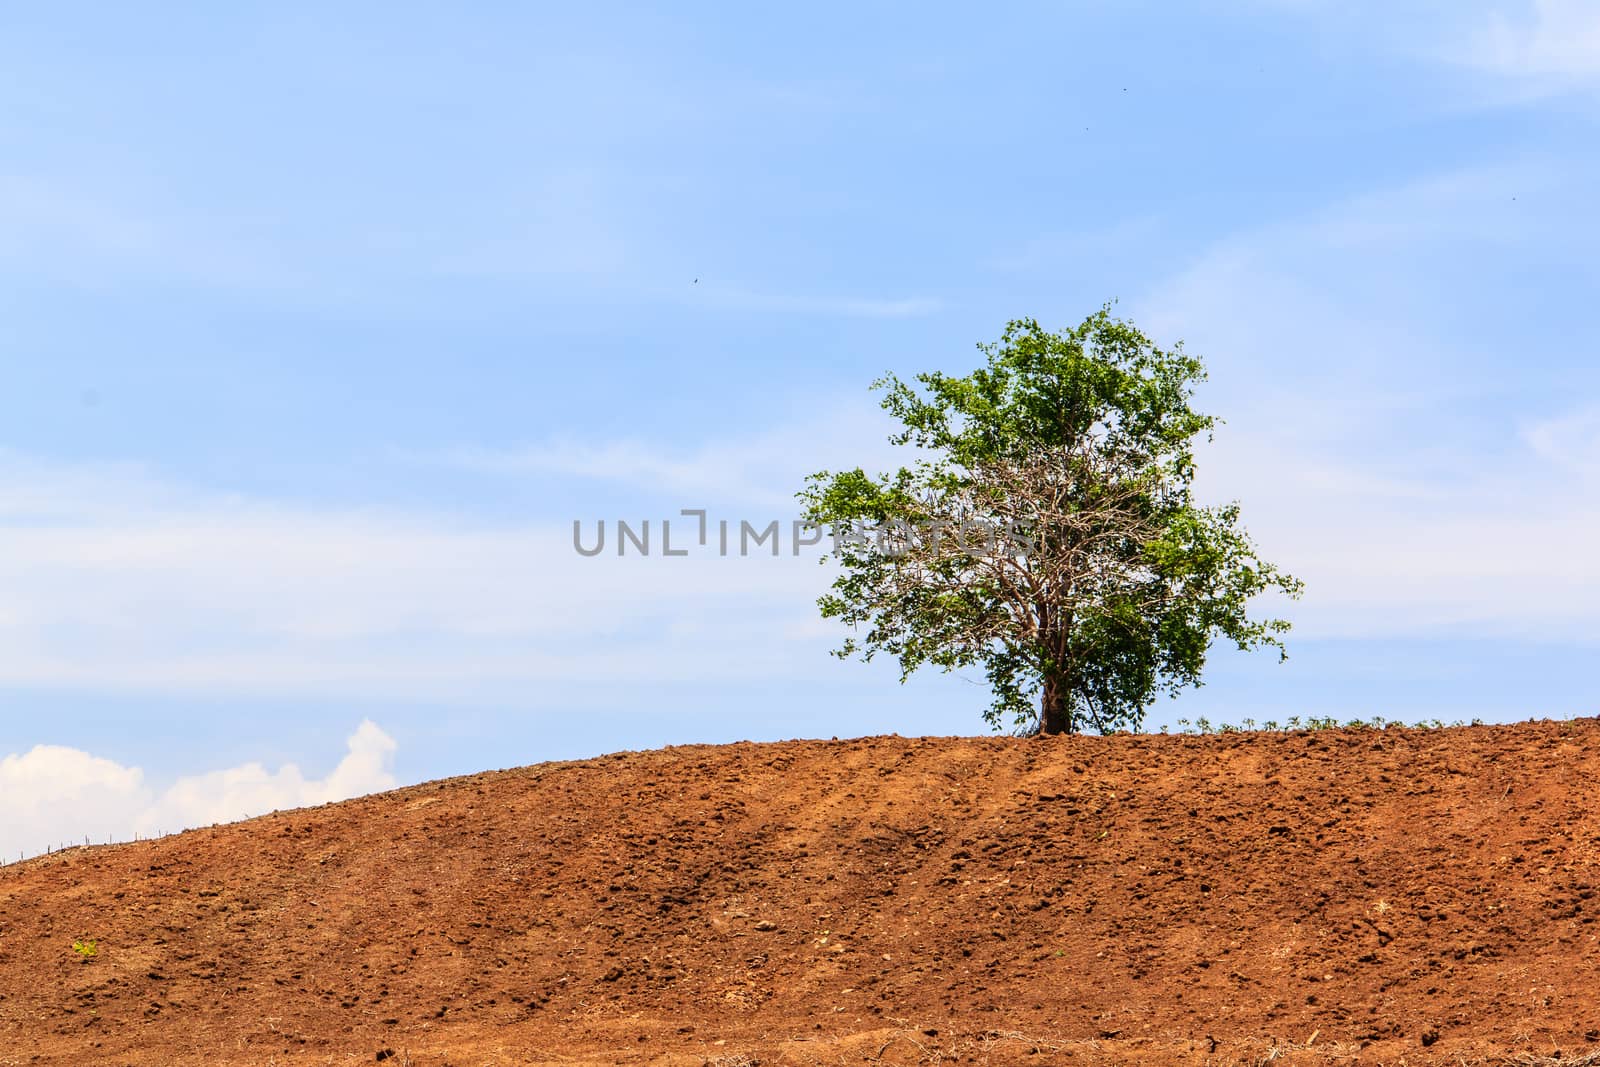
(1395, 896)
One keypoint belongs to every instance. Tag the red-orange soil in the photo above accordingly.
(1395, 897)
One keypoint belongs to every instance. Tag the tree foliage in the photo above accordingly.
(1046, 531)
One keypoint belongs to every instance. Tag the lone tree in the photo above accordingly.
(1047, 531)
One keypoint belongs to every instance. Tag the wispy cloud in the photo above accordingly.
(162, 587)
(763, 469)
(568, 231)
(1528, 48)
(1553, 43)
(726, 471)
(1051, 251)
(1355, 436)
(1570, 442)
(1497, 552)
(60, 227)
(38, 218)
(739, 298)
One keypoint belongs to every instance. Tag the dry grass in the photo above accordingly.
(1529, 1059)
(1010, 1046)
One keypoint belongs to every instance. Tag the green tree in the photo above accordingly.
(1046, 530)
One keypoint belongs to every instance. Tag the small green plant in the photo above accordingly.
(1202, 725)
(87, 949)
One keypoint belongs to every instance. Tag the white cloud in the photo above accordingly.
(112, 579)
(1531, 48)
(1551, 42)
(1356, 438)
(1570, 442)
(62, 226)
(37, 214)
(1502, 552)
(738, 298)
(761, 470)
(55, 796)
(726, 471)
(566, 227)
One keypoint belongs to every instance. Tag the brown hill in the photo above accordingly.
(1396, 896)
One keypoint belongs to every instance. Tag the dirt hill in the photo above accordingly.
(1397, 896)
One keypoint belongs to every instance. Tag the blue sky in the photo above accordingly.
(319, 331)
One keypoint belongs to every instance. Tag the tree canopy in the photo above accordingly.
(1045, 529)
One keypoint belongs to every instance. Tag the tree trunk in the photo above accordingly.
(1055, 707)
